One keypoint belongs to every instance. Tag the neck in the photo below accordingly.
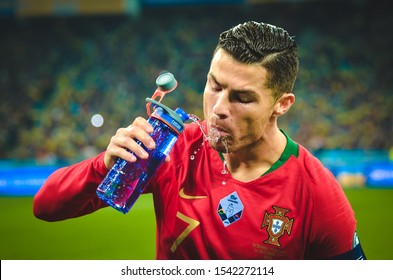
(252, 161)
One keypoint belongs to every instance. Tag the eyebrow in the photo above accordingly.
(214, 78)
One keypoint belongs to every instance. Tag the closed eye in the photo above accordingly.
(243, 97)
(214, 86)
(236, 95)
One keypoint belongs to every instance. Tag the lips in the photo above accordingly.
(218, 131)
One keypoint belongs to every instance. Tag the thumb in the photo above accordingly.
(168, 159)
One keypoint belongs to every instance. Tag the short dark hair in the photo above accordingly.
(268, 45)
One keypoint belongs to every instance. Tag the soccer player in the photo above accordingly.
(250, 191)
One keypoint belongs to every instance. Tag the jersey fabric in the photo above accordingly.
(296, 210)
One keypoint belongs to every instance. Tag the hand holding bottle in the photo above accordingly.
(136, 152)
(124, 142)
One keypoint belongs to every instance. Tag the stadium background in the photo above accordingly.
(63, 61)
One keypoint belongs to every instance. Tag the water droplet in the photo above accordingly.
(196, 120)
(193, 117)
(213, 135)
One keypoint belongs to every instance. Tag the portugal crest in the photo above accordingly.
(277, 224)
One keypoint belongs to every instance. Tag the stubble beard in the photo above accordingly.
(219, 143)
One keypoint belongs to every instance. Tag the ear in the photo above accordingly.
(283, 104)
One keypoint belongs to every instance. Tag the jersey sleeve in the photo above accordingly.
(333, 219)
(70, 191)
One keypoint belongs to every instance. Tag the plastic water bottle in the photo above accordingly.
(127, 180)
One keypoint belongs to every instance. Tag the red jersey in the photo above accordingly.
(296, 210)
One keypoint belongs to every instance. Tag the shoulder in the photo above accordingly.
(333, 220)
(189, 140)
(313, 169)
(323, 186)
(191, 135)
(194, 130)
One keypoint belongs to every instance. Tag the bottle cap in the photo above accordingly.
(183, 115)
(174, 119)
(166, 81)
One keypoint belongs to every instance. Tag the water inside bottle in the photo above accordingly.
(125, 182)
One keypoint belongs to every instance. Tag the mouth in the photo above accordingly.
(217, 133)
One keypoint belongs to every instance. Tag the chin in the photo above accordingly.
(221, 145)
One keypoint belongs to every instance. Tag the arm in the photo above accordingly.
(334, 224)
(70, 191)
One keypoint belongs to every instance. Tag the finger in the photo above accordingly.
(143, 123)
(145, 126)
(124, 143)
(115, 152)
(126, 140)
(112, 154)
(136, 133)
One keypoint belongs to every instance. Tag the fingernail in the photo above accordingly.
(144, 153)
(132, 158)
(150, 143)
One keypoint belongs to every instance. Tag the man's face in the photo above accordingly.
(238, 107)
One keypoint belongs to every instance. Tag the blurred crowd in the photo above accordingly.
(56, 73)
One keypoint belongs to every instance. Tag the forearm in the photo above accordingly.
(71, 191)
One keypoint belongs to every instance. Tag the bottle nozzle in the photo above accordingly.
(179, 116)
(166, 82)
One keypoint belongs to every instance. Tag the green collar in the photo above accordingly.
(290, 149)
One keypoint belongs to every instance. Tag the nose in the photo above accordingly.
(221, 105)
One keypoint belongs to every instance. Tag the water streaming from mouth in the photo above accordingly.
(214, 136)
(196, 120)
(224, 170)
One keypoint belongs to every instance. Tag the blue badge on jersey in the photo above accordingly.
(230, 209)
